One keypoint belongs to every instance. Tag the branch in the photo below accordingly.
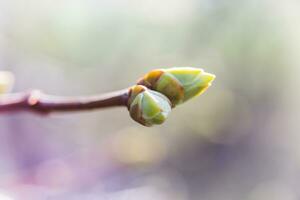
(149, 101)
(38, 102)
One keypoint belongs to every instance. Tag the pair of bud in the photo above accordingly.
(151, 100)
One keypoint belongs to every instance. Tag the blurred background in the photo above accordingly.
(239, 140)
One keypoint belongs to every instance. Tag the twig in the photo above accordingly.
(38, 102)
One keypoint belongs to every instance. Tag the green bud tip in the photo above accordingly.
(179, 84)
(148, 107)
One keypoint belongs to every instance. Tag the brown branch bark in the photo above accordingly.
(38, 102)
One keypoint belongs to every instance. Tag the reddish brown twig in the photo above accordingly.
(39, 102)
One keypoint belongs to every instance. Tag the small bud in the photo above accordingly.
(148, 107)
(179, 84)
(6, 81)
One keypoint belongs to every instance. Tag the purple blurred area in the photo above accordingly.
(239, 140)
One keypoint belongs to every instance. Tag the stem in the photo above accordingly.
(38, 102)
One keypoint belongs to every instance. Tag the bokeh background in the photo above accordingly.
(239, 140)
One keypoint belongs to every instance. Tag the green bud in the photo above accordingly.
(179, 84)
(148, 107)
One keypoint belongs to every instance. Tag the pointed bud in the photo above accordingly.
(148, 107)
(179, 84)
(6, 81)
